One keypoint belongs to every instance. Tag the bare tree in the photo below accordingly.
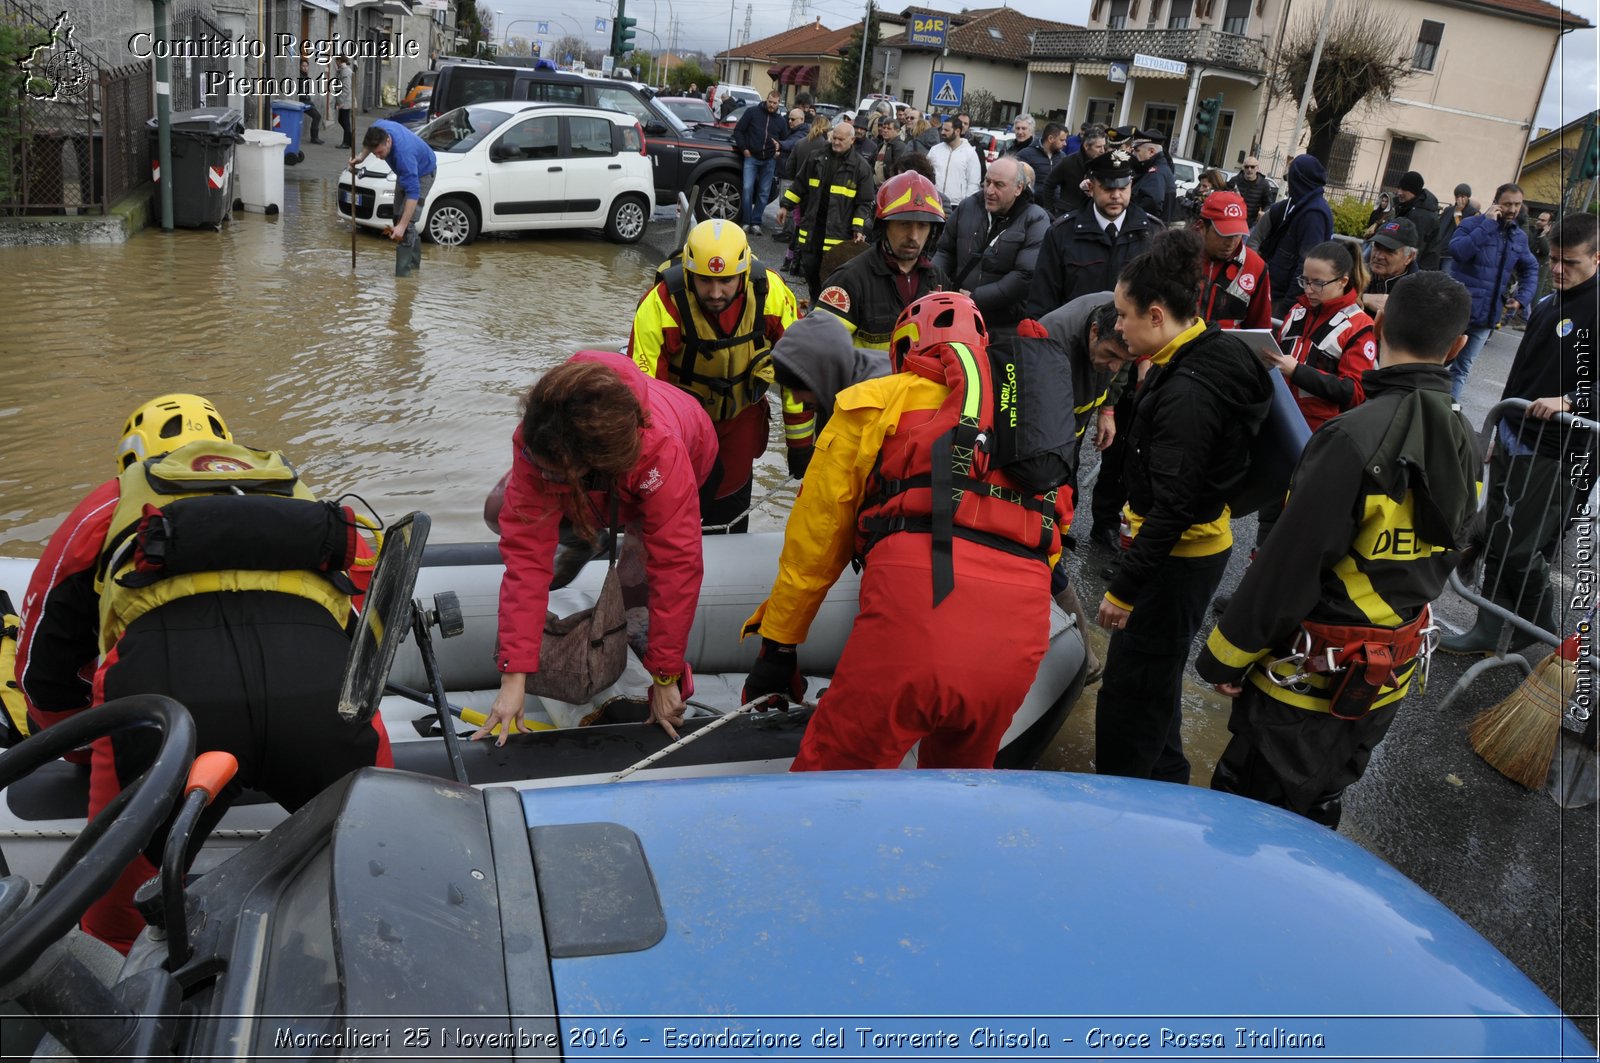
(1365, 58)
(980, 104)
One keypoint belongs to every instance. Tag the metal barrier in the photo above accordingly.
(1532, 521)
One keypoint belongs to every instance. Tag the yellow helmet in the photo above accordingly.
(716, 249)
(164, 424)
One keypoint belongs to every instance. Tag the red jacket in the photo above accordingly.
(660, 493)
(59, 644)
(1237, 293)
(1334, 344)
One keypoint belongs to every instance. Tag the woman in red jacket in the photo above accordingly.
(592, 426)
(1327, 339)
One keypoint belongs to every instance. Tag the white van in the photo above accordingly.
(742, 95)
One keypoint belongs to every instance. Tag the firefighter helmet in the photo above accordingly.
(941, 317)
(909, 197)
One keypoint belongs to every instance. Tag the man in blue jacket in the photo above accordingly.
(1485, 251)
(413, 163)
(757, 136)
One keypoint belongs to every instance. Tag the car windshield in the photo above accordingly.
(690, 110)
(459, 130)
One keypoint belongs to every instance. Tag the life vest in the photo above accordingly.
(1323, 348)
(14, 725)
(723, 372)
(214, 516)
(933, 476)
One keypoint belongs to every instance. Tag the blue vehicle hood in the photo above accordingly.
(1030, 901)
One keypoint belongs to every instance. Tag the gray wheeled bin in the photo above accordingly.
(202, 164)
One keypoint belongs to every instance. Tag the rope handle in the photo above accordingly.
(702, 732)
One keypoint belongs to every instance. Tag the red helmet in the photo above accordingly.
(909, 197)
(942, 317)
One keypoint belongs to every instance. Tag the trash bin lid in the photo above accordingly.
(206, 121)
(265, 138)
(290, 105)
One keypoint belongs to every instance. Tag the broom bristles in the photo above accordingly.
(1518, 736)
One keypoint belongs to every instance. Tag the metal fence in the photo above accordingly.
(73, 140)
(1542, 526)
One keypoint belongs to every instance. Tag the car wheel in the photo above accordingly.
(720, 199)
(627, 221)
(452, 222)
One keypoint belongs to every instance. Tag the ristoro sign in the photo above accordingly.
(928, 31)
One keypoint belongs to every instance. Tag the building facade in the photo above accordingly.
(1476, 72)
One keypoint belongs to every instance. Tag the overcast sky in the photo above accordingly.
(1570, 93)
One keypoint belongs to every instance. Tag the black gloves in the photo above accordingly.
(775, 677)
(798, 458)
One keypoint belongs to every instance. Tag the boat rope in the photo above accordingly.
(62, 835)
(723, 529)
(698, 734)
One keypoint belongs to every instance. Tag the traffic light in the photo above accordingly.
(1205, 121)
(534, 49)
(622, 32)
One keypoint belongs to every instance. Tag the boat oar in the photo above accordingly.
(698, 734)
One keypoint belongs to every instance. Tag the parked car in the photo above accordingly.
(830, 111)
(733, 116)
(996, 142)
(419, 89)
(742, 93)
(693, 111)
(1186, 173)
(699, 162)
(411, 117)
(496, 175)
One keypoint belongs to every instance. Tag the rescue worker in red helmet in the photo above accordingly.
(708, 326)
(916, 666)
(871, 290)
(149, 586)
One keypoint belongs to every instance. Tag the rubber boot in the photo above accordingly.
(1483, 637)
(1067, 599)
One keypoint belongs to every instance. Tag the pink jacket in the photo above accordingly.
(660, 493)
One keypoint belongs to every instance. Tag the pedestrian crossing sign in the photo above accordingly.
(947, 89)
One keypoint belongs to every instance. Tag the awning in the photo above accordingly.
(778, 73)
(802, 75)
(1051, 66)
(1406, 135)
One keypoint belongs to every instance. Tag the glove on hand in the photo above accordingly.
(776, 677)
(798, 458)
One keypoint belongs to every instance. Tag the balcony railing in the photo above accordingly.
(1204, 45)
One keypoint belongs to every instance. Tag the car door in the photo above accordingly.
(670, 158)
(593, 167)
(527, 175)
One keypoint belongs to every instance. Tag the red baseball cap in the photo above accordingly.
(1225, 211)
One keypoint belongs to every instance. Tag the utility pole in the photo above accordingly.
(1311, 75)
(164, 113)
(866, 45)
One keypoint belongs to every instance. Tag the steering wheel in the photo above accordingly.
(108, 842)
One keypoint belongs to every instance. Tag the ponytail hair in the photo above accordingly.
(1168, 274)
(1344, 262)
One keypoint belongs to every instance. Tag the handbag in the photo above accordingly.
(585, 653)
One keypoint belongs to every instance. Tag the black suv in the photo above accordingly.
(686, 160)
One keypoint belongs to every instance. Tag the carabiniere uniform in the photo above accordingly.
(1325, 652)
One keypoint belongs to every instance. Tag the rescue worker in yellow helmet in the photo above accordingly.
(208, 572)
(708, 326)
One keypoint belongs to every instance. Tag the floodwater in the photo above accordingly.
(402, 390)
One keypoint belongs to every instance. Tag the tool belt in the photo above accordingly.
(1359, 659)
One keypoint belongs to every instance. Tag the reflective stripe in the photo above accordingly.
(1320, 683)
(1229, 654)
(1363, 595)
(841, 190)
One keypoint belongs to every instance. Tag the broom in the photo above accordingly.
(1518, 736)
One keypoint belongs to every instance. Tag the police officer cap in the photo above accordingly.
(1146, 136)
(1119, 135)
(1111, 169)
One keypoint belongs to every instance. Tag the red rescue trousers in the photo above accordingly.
(950, 677)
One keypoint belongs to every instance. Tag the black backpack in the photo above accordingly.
(1035, 435)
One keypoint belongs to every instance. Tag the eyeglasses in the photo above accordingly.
(1313, 285)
